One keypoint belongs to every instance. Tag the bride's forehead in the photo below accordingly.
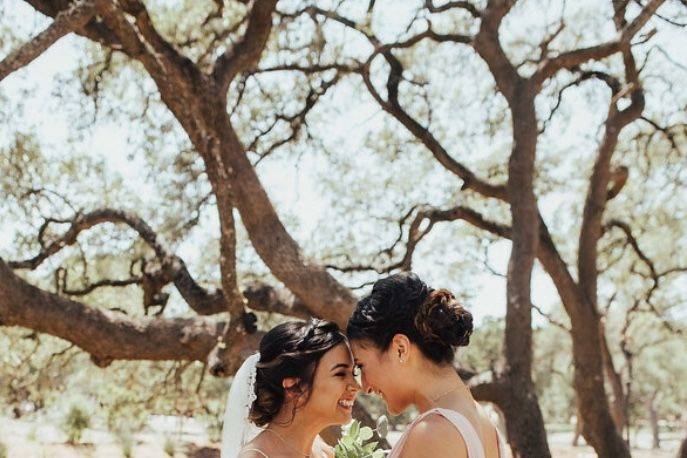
(339, 354)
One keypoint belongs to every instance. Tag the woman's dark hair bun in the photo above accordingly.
(442, 320)
(403, 304)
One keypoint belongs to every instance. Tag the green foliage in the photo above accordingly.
(484, 351)
(355, 443)
(75, 423)
(3, 450)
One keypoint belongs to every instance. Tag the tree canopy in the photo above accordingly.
(190, 172)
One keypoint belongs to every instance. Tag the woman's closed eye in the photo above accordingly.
(340, 370)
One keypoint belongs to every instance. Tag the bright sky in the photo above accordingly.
(297, 187)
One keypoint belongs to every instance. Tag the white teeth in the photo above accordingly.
(346, 404)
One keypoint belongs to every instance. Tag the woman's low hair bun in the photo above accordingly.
(404, 304)
(443, 322)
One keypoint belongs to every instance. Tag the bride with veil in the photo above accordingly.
(281, 398)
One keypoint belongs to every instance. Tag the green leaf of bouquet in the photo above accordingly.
(340, 451)
(369, 448)
(382, 426)
(347, 441)
(366, 433)
(354, 429)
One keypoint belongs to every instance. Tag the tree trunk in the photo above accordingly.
(524, 420)
(600, 430)
(618, 407)
(682, 453)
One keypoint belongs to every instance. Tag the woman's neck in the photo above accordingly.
(297, 435)
(440, 388)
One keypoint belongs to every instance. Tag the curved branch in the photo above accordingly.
(265, 298)
(95, 29)
(75, 16)
(571, 59)
(488, 46)
(246, 53)
(464, 5)
(470, 180)
(85, 221)
(597, 192)
(172, 268)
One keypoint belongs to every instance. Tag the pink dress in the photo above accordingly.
(465, 429)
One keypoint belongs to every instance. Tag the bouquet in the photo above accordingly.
(354, 443)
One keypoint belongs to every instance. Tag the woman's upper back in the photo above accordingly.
(458, 436)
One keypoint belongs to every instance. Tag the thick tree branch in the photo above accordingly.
(75, 16)
(94, 30)
(493, 392)
(571, 59)
(598, 194)
(105, 335)
(246, 53)
(464, 5)
(488, 46)
(265, 298)
(393, 107)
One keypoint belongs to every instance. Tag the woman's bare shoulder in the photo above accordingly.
(434, 436)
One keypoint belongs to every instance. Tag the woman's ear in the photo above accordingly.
(291, 387)
(400, 347)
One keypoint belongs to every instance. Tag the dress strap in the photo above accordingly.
(462, 424)
(466, 429)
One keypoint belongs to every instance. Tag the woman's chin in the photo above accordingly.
(395, 410)
(344, 415)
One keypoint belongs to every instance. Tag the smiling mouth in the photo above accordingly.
(346, 404)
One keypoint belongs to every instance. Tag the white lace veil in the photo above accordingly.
(238, 429)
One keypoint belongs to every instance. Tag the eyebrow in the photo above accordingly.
(344, 365)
